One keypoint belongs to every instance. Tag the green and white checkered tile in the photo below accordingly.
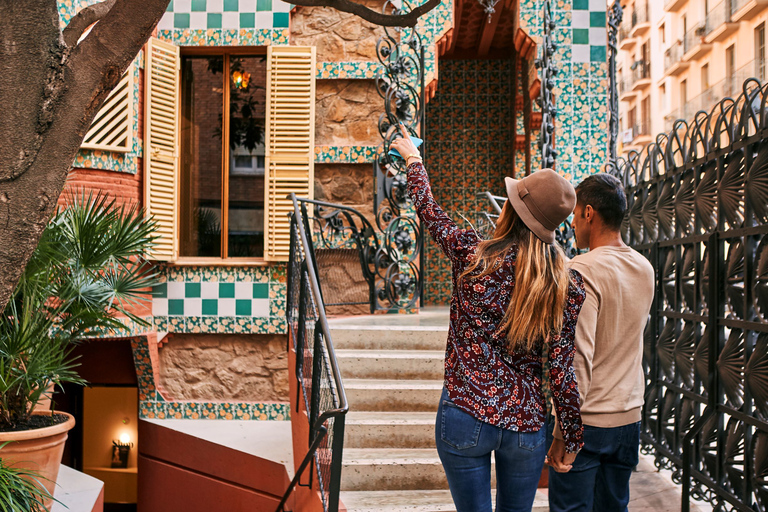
(190, 299)
(589, 31)
(226, 14)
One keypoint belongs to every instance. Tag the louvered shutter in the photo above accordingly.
(290, 140)
(161, 145)
(112, 128)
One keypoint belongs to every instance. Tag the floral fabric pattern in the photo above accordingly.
(481, 375)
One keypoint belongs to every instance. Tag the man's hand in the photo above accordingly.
(560, 460)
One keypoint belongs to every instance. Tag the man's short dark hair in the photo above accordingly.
(605, 194)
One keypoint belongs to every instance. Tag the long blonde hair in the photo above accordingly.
(536, 307)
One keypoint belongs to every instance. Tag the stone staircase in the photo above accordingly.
(392, 366)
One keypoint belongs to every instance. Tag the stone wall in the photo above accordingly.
(339, 36)
(230, 367)
(347, 113)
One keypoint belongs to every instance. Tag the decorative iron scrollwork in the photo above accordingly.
(548, 70)
(615, 16)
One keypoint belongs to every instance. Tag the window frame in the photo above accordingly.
(226, 52)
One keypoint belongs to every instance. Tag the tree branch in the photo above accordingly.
(84, 19)
(377, 18)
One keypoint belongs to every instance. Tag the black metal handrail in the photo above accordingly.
(698, 209)
(317, 371)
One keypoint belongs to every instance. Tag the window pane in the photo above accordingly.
(247, 103)
(201, 156)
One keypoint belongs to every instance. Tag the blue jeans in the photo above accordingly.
(599, 480)
(465, 443)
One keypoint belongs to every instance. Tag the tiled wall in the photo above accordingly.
(581, 85)
(221, 300)
(473, 101)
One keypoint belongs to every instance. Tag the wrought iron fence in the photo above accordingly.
(698, 209)
(320, 387)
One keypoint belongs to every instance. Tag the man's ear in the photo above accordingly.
(589, 213)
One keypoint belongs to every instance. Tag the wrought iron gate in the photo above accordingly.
(698, 209)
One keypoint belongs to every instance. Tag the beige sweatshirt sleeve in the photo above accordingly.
(585, 339)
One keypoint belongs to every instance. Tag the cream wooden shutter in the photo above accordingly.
(112, 128)
(290, 141)
(161, 145)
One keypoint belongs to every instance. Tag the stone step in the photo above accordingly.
(391, 364)
(415, 501)
(389, 430)
(389, 469)
(393, 395)
(375, 337)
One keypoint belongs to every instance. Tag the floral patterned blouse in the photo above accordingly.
(482, 377)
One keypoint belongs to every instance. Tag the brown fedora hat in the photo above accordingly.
(543, 201)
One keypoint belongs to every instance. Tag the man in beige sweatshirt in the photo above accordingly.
(609, 350)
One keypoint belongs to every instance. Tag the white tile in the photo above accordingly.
(176, 289)
(597, 5)
(580, 53)
(279, 6)
(193, 307)
(598, 36)
(215, 6)
(260, 308)
(243, 290)
(209, 290)
(198, 21)
(264, 19)
(182, 6)
(580, 19)
(248, 5)
(160, 307)
(226, 307)
(166, 22)
(230, 20)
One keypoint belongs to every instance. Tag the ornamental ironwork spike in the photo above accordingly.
(548, 72)
(615, 16)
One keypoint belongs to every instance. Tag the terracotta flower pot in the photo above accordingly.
(39, 450)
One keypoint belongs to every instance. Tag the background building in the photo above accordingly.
(677, 57)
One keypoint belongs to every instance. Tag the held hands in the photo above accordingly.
(405, 146)
(558, 459)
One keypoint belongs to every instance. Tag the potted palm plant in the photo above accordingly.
(21, 490)
(82, 280)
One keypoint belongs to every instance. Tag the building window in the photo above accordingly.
(684, 99)
(760, 52)
(704, 77)
(730, 69)
(221, 184)
(662, 35)
(663, 97)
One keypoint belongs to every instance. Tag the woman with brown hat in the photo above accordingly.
(513, 303)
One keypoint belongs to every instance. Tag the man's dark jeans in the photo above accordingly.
(599, 480)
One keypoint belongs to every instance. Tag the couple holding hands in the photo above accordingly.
(517, 302)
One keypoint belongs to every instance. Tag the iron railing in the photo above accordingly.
(320, 388)
(698, 210)
(673, 54)
(717, 15)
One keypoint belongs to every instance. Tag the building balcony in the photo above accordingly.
(695, 43)
(640, 21)
(640, 134)
(674, 5)
(744, 9)
(626, 42)
(626, 89)
(673, 60)
(718, 24)
(641, 76)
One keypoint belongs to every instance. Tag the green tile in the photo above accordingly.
(192, 290)
(597, 53)
(580, 5)
(597, 19)
(247, 20)
(226, 290)
(210, 307)
(581, 36)
(260, 290)
(160, 291)
(176, 307)
(243, 307)
(231, 5)
(214, 20)
(263, 5)
(199, 5)
(280, 20)
(170, 6)
(181, 20)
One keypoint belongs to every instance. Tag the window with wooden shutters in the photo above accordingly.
(289, 141)
(161, 141)
(112, 128)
